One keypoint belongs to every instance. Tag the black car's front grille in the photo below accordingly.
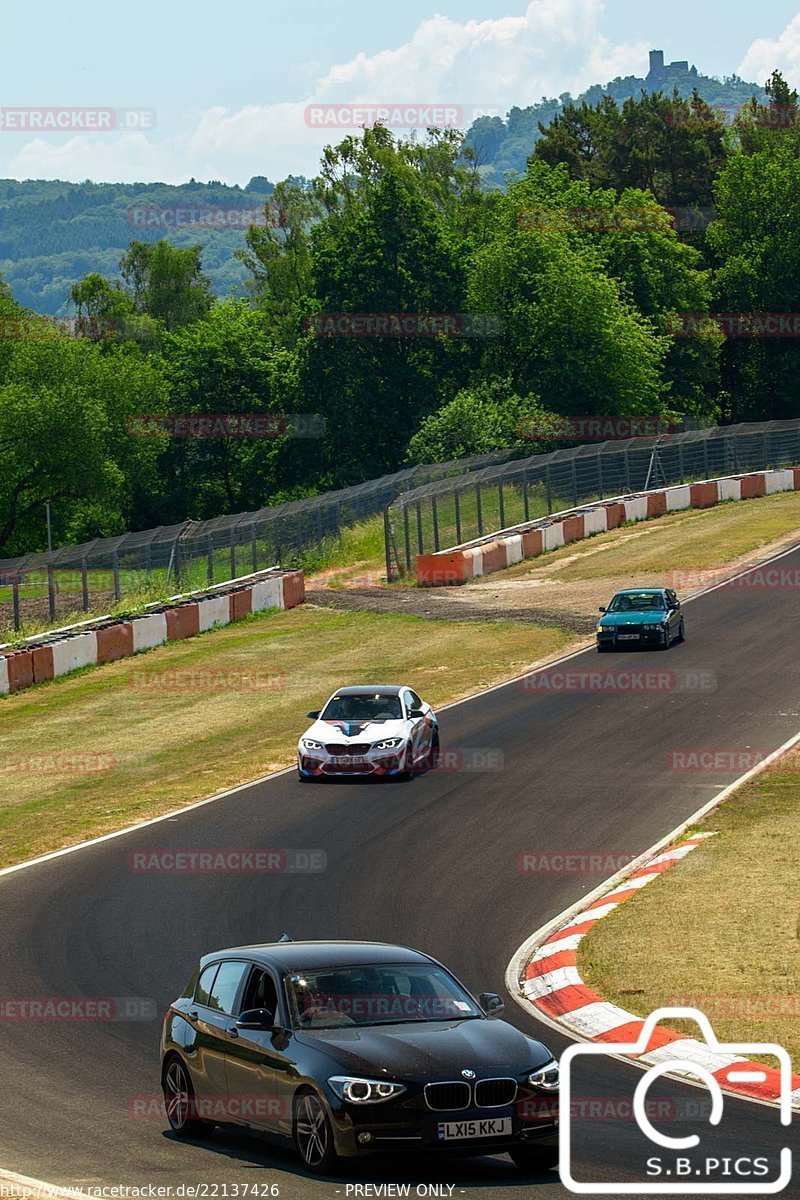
(494, 1093)
(355, 751)
(447, 1097)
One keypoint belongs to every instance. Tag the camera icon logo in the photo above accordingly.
(686, 1165)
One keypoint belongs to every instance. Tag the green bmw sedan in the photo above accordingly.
(639, 617)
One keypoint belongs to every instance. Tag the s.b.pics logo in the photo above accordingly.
(677, 1143)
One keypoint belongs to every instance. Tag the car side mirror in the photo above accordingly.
(602, 608)
(312, 716)
(415, 712)
(256, 1018)
(491, 1004)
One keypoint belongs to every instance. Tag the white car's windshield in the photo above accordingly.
(364, 706)
(638, 602)
(377, 995)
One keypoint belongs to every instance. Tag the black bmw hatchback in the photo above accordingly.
(345, 1049)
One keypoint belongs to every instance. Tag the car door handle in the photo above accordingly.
(193, 1015)
(232, 1031)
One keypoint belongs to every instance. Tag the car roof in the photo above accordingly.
(296, 956)
(371, 689)
(638, 591)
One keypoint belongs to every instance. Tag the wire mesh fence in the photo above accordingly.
(96, 575)
(447, 512)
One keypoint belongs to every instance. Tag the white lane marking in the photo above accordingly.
(550, 948)
(592, 1020)
(553, 981)
(594, 914)
(696, 1052)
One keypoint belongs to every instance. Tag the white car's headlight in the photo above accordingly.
(546, 1077)
(364, 1091)
(310, 744)
(388, 744)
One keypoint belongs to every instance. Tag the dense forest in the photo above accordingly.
(415, 315)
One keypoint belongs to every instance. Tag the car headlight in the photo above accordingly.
(312, 745)
(650, 626)
(364, 1091)
(599, 629)
(388, 744)
(546, 1077)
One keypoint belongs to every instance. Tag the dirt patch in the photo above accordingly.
(448, 604)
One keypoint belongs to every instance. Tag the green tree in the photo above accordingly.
(487, 416)
(166, 282)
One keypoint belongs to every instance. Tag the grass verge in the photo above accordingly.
(687, 541)
(719, 932)
(86, 754)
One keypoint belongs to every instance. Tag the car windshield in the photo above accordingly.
(638, 602)
(363, 706)
(377, 995)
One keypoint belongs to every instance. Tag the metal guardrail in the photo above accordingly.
(447, 512)
(195, 554)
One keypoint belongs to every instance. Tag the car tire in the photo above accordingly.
(433, 753)
(180, 1103)
(534, 1159)
(602, 649)
(666, 641)
(681, 632)
(313, 1133)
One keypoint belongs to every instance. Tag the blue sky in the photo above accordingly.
(230, 82)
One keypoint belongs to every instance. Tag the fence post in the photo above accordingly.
(435, 515)
(210, 557)
(419, 528)
(705, 457)
(406, 538)
(501, 500)
(51, 591)
(525, 498)
(255, 549)
(680, 462)
(115, 565)
(233, 552)
(479, 507)
(457, 498)
(85, 584)
(15, 601)
(387, 533)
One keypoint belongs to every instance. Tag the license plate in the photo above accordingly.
(351, 762)
(628, 637)
(486, 1127)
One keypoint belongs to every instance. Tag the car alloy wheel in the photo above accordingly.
(180, 1104)
(312, 1133)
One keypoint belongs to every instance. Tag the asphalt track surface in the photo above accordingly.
(433, 863)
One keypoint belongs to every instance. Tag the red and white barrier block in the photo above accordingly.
(504, 549)
(49, 656)
(552, 985)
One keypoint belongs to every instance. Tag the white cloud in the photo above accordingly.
(552, 47)
(767, 54)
